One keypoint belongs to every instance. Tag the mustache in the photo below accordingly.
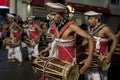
(52, 21)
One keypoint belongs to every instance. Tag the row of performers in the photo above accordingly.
(18, 38)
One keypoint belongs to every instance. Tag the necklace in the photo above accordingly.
(61, 25)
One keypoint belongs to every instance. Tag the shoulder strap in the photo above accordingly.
(65, 28)
(97, 30)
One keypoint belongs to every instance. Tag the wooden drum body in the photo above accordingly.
(99, 62)
(30, 41)
(11, 41)
(56, 69)
(50, 37)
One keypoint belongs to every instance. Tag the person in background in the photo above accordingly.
(33, 33)
(14, 50)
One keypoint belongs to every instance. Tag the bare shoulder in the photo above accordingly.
(74, 26)
(108, 31)
(107, 28)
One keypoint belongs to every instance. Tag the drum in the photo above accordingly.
(56, 69)
(50, 37)
(105, 65)
(29, 41)
(99, 62)
(11, 41)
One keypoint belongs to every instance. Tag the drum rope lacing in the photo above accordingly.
(45, 65)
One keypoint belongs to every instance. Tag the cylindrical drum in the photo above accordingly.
(11, 41)
(56, 69)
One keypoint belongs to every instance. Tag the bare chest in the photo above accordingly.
(68, 34)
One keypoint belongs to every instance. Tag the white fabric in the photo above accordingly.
(98, 40)
(71, 15)
(31, 17)
(23, 45)
(56, 5)
(92, 13)
(33, 51)
(92, 74)
(10, 15)
(61, 42)
(53, 50)
(15, 53)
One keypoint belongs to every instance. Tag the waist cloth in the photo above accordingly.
(63, 49)
(101, 45)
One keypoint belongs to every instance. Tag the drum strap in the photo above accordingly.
(45, 65)
(65, 28)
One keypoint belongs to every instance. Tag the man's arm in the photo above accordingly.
(113, 37)
(84, 34)
(39, 32)
(118, 34)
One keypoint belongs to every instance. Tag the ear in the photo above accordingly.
(96, 20)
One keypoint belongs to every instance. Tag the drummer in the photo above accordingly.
(63, 47)
(101, 33)
(33, 32)
(14, 51)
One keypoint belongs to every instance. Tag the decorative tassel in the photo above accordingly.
(42, 78)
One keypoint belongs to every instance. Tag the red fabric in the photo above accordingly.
(5, 3)
(63, 55)
(33, 34)
(65, 27)
(52, 30)
(42, 78)
(17, 34)
(103, 47)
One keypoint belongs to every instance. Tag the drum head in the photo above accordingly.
(105, 65)
(73, 73)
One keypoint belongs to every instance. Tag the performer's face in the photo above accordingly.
(10, 19)
(56, 17)
(30, 21)
(92, 21)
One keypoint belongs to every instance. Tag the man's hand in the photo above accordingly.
(108, 57)
(43, 53)
(86, 64)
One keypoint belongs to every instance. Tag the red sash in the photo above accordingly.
(17, 34)
(52, 30)
(33, 34)
(65, 28)
(103, 48)
(62, 53)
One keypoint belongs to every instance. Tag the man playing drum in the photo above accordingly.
(63, 46)
(101, 33)
(33, 35)
(14, 51)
